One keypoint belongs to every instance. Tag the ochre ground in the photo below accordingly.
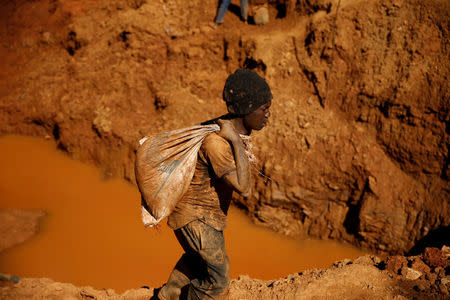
(367, 277)
(358, 138)
(357, 145)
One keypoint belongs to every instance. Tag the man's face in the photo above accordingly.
(258, 118)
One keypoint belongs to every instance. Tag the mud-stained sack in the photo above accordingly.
(165, 165)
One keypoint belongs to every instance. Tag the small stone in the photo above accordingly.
(372, 182)
(411, 274)
(395, 263)
(47, 38)
(206, 29)
(446, 251)
(418, 265)
(261, 15)
(434, 257)
(59, 118)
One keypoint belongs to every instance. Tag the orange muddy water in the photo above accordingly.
(93, 235)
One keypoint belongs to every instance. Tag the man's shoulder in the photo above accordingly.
(214, 142)
(218, 153)
(213, 138)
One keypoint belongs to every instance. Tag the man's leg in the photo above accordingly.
(244, 10)
(221, 11)
(180, 277)
(204, 267)
(213, 267)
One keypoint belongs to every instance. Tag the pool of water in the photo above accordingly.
(93, 235)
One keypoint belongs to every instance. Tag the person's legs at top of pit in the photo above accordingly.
(244, 10)
(221, 12)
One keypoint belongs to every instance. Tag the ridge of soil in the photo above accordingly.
(357, 146)
(425, 276)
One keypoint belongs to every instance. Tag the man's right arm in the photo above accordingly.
(240, 179)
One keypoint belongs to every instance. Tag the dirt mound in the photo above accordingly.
(367, 277)
(17, 226)
(357, 148)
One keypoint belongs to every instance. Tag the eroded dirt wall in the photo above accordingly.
(367, 159)
(357, 145)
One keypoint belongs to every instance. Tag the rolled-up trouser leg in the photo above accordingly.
(180, 277)
(206, 249)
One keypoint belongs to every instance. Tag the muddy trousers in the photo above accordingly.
(203, 270)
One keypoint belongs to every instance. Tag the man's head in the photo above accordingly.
(248, 95)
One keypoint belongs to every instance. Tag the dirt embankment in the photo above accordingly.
(357, 147)
(368, 277)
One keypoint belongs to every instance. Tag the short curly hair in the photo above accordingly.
(245, 91)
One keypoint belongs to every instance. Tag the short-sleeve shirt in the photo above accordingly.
(208, 197)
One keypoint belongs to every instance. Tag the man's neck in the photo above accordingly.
(240, 127)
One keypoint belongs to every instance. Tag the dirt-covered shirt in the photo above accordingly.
(208, 197)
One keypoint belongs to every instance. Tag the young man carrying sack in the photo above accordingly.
(199, 217)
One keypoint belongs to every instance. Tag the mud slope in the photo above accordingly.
(366, 277)
(357, 147)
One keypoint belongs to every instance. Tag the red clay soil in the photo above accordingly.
(357, 145)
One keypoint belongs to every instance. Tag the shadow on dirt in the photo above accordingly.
(436, 238)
